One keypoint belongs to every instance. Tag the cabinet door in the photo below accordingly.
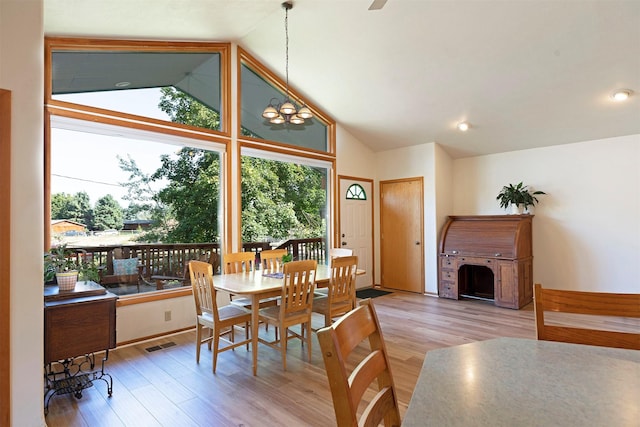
(79, 328)
(506, 289)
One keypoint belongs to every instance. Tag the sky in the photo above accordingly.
(82, 160)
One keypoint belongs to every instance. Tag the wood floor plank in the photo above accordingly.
(168, 388)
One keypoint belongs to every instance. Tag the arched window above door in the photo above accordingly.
(356, 192)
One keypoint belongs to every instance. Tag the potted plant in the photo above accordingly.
(518, 197)
(66, 267)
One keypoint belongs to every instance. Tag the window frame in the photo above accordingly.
(246, 59)
(232, 139)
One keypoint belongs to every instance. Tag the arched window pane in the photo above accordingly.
(356, 192)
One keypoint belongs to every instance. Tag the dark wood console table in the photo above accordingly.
(77, 324)
(487, 257)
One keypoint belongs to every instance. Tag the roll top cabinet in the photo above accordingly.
(487, 257)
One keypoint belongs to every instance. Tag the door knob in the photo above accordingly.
(417, 243)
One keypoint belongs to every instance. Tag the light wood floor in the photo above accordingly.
(167, 388)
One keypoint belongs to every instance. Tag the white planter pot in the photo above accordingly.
(516, 209)
(67, 280)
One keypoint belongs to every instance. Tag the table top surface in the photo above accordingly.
(255, 282)
(511, 381)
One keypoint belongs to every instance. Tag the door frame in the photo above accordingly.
(338, 222)
(420, 180)
(5, 257)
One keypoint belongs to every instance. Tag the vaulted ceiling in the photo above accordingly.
(523, 73)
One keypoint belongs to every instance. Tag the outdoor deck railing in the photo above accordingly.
(170, 259)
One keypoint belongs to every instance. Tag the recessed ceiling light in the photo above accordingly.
(122, 84)
(463, 126)
(621, 94)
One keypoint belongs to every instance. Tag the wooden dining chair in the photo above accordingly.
(590, 303)
(237, 262)
(338, 252)
(341, 292)
(296, 301)
(271, 260)
(220, 321)
(338, 343)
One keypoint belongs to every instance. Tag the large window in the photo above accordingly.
(116, 187)
(258, 87)
(140, 147)
(127, 78)
(285, 203)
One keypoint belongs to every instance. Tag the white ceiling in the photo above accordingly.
(523, 73)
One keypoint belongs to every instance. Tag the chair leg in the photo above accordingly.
(308, 325)
(216, 342)
(283, 347)
(198, 341)
(246, 334)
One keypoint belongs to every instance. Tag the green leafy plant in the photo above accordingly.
(518, 194)
(287, 258)
(61, 259)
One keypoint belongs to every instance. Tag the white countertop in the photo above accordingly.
(521, 382)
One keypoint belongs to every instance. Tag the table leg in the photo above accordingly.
(255, 308)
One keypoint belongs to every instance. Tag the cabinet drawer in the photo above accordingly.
(476, 261)
(448, 289)
(447, 274)
(448, 262)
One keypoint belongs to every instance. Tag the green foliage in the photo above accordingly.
(108, 214)
(72, 207)
(279, 199)
(60, 259)
(193, 194)
(182, 108)
(518, 194)
(287, 258)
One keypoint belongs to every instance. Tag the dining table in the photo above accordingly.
(261, 284)
(525, 382)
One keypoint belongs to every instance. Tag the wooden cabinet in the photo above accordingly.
(487, 257)
(78, 322)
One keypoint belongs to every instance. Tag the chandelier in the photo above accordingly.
(285, 112)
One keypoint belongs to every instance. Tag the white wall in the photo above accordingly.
(412, 162)
(22, 72)
(353, 157)
(586, 232)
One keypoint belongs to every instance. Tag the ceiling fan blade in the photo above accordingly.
(377, 4)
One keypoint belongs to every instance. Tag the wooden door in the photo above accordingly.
(356, 224)
(401, 234)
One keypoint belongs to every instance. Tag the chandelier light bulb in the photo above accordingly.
(270, 112)
(278, 120)
(288, 108)
(296, 119)
(305, 113)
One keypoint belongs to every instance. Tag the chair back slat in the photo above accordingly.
(340, 252)
(204, 293)
(298, 285)
(237, 262)
(588, 303)
(338, 342)
(271, 260)
(342, 284)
